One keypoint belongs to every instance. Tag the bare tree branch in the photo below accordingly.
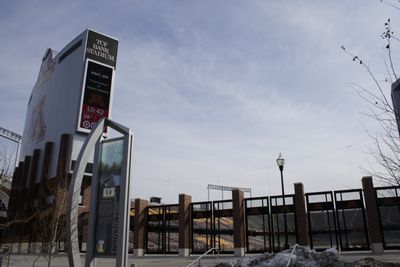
(385, 148)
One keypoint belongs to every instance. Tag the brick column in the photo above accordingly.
(301, 216)
(139, 226)
(32, 199)
(238, 222)
(371, 207)
(184, 224)
(24, 228)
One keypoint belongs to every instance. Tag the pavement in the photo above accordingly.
(388, 256)
(22, 260)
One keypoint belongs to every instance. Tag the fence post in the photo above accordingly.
(238, 222)
(184, 224)
(139, 226)
(301, 215)
(371, 207)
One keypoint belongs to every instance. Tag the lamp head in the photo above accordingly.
(280, 161)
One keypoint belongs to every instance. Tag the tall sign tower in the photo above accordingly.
(73, 92)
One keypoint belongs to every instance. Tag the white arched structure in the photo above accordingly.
(74, 192)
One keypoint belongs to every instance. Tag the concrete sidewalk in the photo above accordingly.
(388, 256)
(19, 260)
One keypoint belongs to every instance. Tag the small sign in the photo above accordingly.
(100, 246)
(108, 192)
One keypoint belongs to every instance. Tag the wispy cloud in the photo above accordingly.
(214, 90)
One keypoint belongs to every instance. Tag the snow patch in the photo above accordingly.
(301, 257)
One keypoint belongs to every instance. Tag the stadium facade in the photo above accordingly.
(73, 91)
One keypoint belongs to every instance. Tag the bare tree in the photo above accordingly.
(6, 169)
(48, 215)
(386, 142)
(51, 221)
(43, 219)
(393, 3)
(7, 157)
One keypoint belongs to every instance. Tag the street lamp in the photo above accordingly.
(281, 163)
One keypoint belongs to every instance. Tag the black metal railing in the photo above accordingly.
(321, 220)
(388, 202)
(258, 226)
(162, 230)
(351, 219)
(280, 232)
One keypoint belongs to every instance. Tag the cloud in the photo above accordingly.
(214, 91)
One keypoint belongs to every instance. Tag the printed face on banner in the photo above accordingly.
(97, 94)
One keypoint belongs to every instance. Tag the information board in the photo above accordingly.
(96, 95)
(108, 197)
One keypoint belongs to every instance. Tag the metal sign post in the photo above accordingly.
(110, 186)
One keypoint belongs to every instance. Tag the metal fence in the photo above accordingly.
(336, 219)
(223, 226)
(388, 202)
(283, 229)
(352, 224)
(201, 227)
(321, 220)
(162, 230)
(258, 225)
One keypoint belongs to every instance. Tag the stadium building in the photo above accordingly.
(73, 91)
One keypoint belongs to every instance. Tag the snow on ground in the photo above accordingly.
(302, 257)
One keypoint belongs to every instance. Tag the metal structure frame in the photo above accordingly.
(393, 202)
(223, 188)
(343, 204)
(324, 208)
(155, 225)
(91, 143)
(265, 231)
(209, 218)
(13, 137)
(165, 229)
(205, 214)
(220, 211)
(284, 210)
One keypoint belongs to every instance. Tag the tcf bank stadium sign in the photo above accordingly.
(101, 57)
(101, 48)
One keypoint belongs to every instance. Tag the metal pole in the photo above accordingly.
(17, 154)
(284, 208)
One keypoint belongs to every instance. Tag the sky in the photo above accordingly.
(214, 90)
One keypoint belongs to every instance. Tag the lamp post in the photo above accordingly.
(281, 163)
